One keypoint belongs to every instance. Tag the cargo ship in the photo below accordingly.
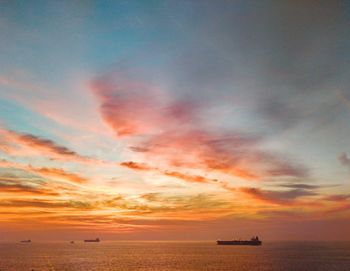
(92, 240)
(26, 241)
(254, 241)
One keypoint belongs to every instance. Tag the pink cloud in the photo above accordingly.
(54, 104)
(133, 108)
(168, 131)
(233, 153)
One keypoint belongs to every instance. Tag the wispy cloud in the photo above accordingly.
(44, 145)
(16, 143)
(338, 197)
(344, 159)
(55, 173)
(20, 188)
(59, 173)
(52, 103)
(187, 177)
(171, 132)
(275, 196)
(301, 186)
(136, 166)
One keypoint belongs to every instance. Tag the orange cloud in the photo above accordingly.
(189, 178)
(60, 173)
(21, 144)
(8, 186)
(47, 172)
(136, 166)
(176, 174)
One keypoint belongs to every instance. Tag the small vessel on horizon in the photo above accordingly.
(254, 241)
(92, 240)
(26, 241)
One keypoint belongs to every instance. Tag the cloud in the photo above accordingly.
(284, 214)
(168, 130)
(21, 143)
(20, 188)
(275, 196)
(344, 159)
(136, 166)
(35, 141)
(59, 173)
(45, 204)
(52, 103)
(250, 61)
(133, 107)
(187, 177)
(338, 197)
(47, 172)
(152, 207)
(234, 154)
(46, 145)
(301, 186)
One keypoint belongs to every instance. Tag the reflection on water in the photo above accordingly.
(106, 256)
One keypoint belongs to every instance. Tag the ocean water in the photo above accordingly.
(107, 256)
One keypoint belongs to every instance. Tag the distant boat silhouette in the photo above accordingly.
(72, 242)
(26, 241)
(254, 241)
(92, 240)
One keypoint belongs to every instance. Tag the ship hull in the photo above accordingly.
(240, 243)
(92, 240)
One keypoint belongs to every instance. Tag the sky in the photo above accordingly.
(181, 120)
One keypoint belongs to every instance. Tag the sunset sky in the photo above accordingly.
(174, 120)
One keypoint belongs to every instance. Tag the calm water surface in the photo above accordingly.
(106, 256)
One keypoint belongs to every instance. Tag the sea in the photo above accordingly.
(155, 255)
